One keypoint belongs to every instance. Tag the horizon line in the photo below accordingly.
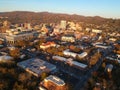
(59, 13)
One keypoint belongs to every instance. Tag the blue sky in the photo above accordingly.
(104, 8)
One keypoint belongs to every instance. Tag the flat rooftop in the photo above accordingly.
(36, 66)
(69, 60)
(78, 64)
(55, 80)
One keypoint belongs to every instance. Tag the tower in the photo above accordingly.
(63, 24)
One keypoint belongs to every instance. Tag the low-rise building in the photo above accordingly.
(56, 31)
(47, 45)
(68, 38)
(53, 83)
(36, 66)
(59, 58)
(3, 35)
(42, 88)
(88, 29)
(78, 35)
(112, 39)
(5, 58)
(82, 55)
(96, 31)
(78, 65)
(101, 45)
(114, 59)
(70, 62)
(15, 36)
(69, 53)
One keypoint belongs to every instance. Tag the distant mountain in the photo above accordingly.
(46, 17)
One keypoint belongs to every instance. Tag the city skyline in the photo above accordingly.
(103, 8)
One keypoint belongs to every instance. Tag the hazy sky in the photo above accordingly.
(104, 8)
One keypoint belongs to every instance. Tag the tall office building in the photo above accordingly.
(6, 26)
(6, 23)
(63, 24)
(27, 25)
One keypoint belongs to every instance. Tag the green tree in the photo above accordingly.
(43, 76)
(18, 86)
(94, 59)
(22, 77)
(15, 53)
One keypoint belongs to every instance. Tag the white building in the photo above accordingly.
(56, 80)
(68, 53)
(5, 58)
(96, 31)
(58, 58)
(56, 31)
(63, 24)
(101, 45)
(112, 39)
(82, 55)
(79, 65)
(70, 62)
(68, 38)
(14, 36)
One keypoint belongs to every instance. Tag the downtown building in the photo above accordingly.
(63, 24)
(14, 36)
(52, 83)
(36, 66)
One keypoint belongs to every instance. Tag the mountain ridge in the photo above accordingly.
(48, 17)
